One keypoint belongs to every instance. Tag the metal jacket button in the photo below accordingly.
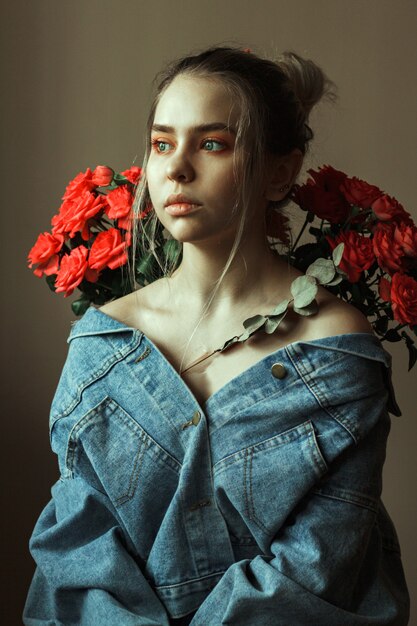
(193, 421)
(278, 370)
(196, 418)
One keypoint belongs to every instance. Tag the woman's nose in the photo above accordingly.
(179, 168)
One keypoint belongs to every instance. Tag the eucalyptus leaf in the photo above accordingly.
(304, 290)
(322, 269)
(246, 335)
(273, 322)
(252, 323)
(337, 253)
(280, 308)
(310, 309)
(336, 281)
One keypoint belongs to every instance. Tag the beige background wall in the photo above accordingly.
(75, 88)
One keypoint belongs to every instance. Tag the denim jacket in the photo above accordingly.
(260, 507)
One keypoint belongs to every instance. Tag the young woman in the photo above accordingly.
(239, 487)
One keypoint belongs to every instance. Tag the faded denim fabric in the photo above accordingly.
(260, 508)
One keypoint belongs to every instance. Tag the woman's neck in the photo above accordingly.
(256, 275)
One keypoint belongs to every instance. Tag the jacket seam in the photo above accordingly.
(115, 358)
(315, 391)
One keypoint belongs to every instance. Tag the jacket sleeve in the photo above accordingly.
(86, 574)
(336, 559)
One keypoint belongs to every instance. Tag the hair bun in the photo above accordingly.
(307, 80)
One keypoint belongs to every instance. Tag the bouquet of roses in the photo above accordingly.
(364, 249)
(379, 262)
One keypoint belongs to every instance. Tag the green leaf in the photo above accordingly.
(280, 308)
(381, 325)
(412, 356)
(171, 248)
(273, 322)
(322, 269)
(310, 309)
(337, 253)
(253, 323)
(392, 335)
(304, 290)
(80, 306)
(316, 232)
(357, 294)
(412, 350)
(50, 281)
(145, 264)
(120, 178)
(336, 281)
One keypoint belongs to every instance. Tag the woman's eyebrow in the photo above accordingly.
(201, 128)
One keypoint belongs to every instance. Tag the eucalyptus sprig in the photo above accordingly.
(303, 289)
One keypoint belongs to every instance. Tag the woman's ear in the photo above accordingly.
(282, 172)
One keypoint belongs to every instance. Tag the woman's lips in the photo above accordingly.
(181, 208)
(181, 204)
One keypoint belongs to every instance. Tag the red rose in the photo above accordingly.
(277, 226)
(45, 252)
(404, 299)
(406, 236)
(133, 174)
(72, 271)
(386, 208)
(328, 178)
(79, 184)
(102, 176)
(388, 252)
(322, 196)
(359, 192)
(108, 250)
(73, 214)
(120, 202)
(384, 289)
(358, 254)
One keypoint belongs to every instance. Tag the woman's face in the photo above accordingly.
(190, 168)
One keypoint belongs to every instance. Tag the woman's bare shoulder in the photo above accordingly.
(338, 317)
(135, 308)
(334, 317)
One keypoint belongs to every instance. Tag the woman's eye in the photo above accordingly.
(212, 145)
(160, 146)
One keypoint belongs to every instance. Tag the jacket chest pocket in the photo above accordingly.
(265, 481)
(113, 452)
